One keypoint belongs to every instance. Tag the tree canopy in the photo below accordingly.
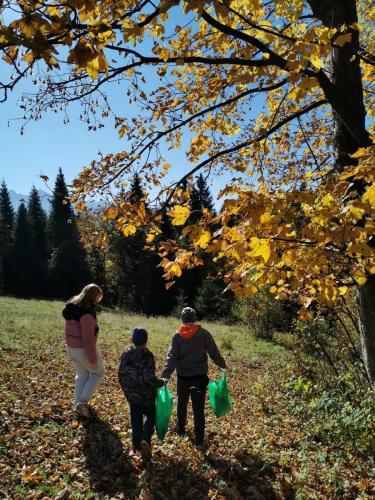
(272, 96)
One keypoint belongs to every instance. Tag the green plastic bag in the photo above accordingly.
(219, 396)
(164, 407)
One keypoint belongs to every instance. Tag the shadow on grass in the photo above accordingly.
(110, 470)
(113, 473)
(171, 479)
(246, 477)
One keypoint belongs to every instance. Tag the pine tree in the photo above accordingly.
(128, 256)
(62, 225)
(68, 269)
(38, 220)
(200, 199)
(136, 281)
(6, 237)
(181, 302)
(211, 303)
(22, 255)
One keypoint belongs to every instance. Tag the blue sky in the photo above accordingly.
(48, 144)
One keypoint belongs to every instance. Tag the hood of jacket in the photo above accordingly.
(188, 331)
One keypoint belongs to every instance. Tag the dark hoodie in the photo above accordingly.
(188, 352)
(137, 375)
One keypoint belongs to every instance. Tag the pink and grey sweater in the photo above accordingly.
(82, 332)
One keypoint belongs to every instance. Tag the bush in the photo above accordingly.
(264, 315)
(330, 343)
(334, 416)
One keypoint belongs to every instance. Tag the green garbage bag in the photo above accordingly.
(164, 407)
(219, 396)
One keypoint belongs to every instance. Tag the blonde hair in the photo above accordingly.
(87, 296)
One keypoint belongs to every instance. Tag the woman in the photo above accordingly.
(81, 334)
(187, 355)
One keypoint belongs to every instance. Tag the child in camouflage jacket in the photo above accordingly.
(138, 381)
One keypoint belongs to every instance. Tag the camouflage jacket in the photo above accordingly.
(136, 375)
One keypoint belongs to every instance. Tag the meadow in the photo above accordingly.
(268, 446)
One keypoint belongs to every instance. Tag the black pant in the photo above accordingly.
(196, 388)
(142, 431)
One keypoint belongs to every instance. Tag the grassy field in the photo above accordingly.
(259, 450)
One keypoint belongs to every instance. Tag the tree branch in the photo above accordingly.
(192, 59)
(274, 58)
(191, 118)
(238, 147)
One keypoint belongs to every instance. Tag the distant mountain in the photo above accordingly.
(45, 198)
(16, 199)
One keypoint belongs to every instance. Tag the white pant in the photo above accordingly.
(86, 379)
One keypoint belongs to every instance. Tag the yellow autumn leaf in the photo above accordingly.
(265, 218)
(164, 54)
(81, 206)
(150, 237)
(369, 195)
(360, 152)
(316, 61)
(343, 39)
(179, 215)
(272, 439)
(29, 57)
(172, 269)
(288, 258)
(260, 248)
(128, 230)
(203, 239)
(110, 213)
(92, 67)
(11, 55)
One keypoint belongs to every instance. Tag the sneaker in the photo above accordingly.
(145, 451)
(200, 447)
(180, 432)
(82, 410)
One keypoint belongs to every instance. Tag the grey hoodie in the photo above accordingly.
(189, 356)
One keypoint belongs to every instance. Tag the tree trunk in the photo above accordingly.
(345, 95)
(366, 307)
